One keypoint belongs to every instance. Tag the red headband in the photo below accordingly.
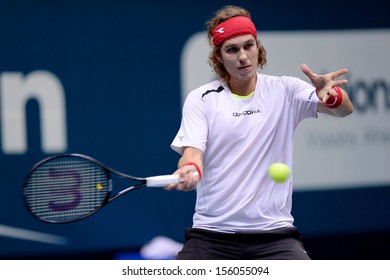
(233, 27)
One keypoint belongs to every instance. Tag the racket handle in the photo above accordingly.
(162, 180)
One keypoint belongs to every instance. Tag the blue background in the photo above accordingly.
(119, 64)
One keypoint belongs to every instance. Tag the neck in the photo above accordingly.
(243, 88)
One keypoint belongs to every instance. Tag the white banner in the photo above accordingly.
(329, 152)
(171, 270)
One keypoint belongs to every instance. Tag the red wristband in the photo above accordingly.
(334, 101)
(196, 166)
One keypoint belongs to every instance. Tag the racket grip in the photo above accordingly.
(162, 180)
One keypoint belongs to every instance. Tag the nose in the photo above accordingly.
(242, 56)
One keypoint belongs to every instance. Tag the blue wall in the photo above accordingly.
(119, 65)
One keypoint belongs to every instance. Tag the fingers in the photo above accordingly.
(333, 75)
(318, 81)
(340, 82)
(325, 83)
(325, 77)
(326, 93)
(326, 96)
(189, 178)
(170, 187)
(305, 69)
(189, 181)
(338, 73)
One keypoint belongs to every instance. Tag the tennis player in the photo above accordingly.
(232, 130)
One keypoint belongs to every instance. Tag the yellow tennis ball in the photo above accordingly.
(279, 172)
(99, 186)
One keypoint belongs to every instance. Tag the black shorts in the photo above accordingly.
(278, 244)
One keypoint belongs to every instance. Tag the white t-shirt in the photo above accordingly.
(240, 139)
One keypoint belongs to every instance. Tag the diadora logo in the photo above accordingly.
(246, 112)
(221, 30)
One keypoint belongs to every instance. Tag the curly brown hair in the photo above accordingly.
(221, 15)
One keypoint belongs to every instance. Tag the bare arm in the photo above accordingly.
(324, 85)
(188, 165)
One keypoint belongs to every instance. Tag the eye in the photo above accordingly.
(248, 46)
(232, 49)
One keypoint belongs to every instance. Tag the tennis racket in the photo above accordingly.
(69, 187)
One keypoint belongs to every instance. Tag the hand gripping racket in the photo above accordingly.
(70, 187)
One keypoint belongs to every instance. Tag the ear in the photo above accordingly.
(219, 58)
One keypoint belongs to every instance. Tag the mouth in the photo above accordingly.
(244, 67)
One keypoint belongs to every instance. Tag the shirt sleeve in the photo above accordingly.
(193, 127)
(303, 98)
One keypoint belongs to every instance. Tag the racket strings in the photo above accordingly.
(66, 189)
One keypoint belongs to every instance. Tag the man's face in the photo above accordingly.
(240, 57)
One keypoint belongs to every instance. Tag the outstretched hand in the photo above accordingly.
(325, 83)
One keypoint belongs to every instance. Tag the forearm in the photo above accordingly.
(191, 154)
(190, 170)
(345, 108)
